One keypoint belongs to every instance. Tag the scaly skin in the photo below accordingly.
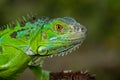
(24, 45)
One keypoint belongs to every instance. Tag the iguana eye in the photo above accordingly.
(58, 27)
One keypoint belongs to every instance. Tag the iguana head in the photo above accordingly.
(60, 36)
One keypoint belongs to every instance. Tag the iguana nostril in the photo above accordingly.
(83, 29)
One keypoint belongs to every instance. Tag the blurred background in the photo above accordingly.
(100, 52)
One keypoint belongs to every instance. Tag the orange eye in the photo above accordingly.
(59, 27)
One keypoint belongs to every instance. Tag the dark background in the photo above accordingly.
(100, 52)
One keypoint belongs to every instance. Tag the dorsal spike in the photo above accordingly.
(28, 16)
(7, 26)
(10, 25)
(3, 27)
(24, 19)
(20, 21)
(13, 23)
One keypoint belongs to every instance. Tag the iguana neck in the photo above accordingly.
(23, 36)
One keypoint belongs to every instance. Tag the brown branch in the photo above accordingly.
(70, 75)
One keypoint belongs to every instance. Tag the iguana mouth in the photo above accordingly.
(66, 50)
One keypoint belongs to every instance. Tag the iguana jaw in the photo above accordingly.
(75, 44)
(67, 50)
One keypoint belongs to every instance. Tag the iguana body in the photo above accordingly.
(22, 44)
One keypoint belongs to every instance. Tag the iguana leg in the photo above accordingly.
(6, 68)
(12, 63)
(40, 73)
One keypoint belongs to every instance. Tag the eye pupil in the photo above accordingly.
(59, 27)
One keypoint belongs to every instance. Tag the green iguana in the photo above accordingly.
(22, 44)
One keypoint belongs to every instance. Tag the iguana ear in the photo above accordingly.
(40, 73)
